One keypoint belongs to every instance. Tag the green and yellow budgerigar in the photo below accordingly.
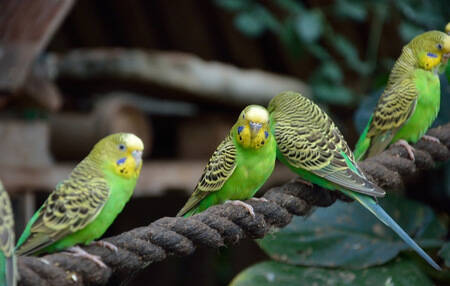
(411, 99)
(8, 270)
(239, 166)
(311, 145)
(82, 207)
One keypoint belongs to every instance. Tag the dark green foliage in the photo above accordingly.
(310, 31)
(445, 253)
(347, 235)
(309, 25)
(398, 273)
(354, 10)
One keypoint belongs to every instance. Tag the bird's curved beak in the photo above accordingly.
(137, 155)
(254, 128)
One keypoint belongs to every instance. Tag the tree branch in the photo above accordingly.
(204, 80)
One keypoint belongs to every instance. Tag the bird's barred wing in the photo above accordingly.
(219, 168)
(70, 207)
(394, 108)
(308, 139)
(6, 224)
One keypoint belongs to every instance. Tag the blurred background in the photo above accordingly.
(177, 74)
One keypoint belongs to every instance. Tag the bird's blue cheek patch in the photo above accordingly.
(266, 134)
(121, 161)
(431, 55)
(240, 128)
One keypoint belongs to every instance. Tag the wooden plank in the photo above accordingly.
(25, 29)
(156, 178)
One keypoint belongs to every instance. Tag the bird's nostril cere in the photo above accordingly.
(137, 154)
(255, 126)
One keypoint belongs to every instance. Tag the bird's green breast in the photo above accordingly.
(120, 192)
(254, 166)
(427, 107)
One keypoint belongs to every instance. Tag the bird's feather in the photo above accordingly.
(308, 139)
(219, 168)
(7, 240)
(70, 207)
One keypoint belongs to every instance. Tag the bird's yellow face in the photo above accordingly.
(431, 48)
(122, 152)
(252, 128)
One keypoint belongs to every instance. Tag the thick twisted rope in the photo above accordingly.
(222, 224)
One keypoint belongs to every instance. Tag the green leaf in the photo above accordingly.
(291, 6)
(329, 71)
(289, 38)
(351, 9)
(347, 235)
(255, 20)
(309, 25)
(350, 54)
(249, 24)
(319, 52)
(345, 48)
(445, 253)
(266, 17)
(234, 5)
(399, 273)
(408, 31)
(332, 94)
(430, 15)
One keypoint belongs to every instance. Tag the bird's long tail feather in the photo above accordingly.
(381, 214)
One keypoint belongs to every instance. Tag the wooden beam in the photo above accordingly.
(72, 135)
(156, 177)
(206, 80)
(25, 29)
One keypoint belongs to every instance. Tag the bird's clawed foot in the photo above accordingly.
(248, 207)
(106, 244)
(44, 260)
(260, 199)
(431, 138)
(408, 148)
(78, 251)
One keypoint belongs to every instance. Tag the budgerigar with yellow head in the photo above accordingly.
(239, 166)
(8, 270)
(82, 207)
(311, 145)
(411, 99)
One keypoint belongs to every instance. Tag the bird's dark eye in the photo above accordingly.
(243, 116)
(439, 46)
(122, 147)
